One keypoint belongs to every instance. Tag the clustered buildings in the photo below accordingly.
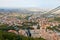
(42, 22)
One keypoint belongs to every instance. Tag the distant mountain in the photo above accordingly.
(6, 11)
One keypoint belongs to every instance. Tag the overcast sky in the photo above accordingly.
(29, 3)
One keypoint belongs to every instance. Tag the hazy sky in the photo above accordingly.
(29, 3)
